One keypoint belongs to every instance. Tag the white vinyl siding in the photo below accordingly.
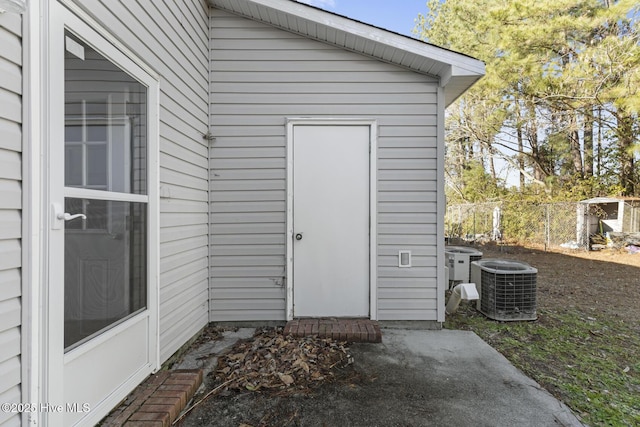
(260, 76)
(10, 212)
(171, 37)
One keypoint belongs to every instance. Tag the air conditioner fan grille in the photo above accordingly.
(508, 295)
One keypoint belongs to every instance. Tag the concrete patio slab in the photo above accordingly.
(413, 378)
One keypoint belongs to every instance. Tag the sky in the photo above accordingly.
(394, 15)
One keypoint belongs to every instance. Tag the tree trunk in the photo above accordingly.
(486, 154)
(588, 143)
(536, 155)
(521, 163)
(574, 145)
(599, 144)
(460, 160)
(492, 165)
(470, 154)
(520, 155)
(625, 153)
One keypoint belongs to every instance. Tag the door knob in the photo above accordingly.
(299, 236)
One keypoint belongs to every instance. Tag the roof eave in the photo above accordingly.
(457, 82)
(457, 72)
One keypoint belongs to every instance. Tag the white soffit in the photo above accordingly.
(457, 72)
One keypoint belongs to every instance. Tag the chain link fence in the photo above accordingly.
(544, 225)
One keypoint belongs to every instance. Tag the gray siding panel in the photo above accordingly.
(260, 76)
(10, 213)
(172, 39)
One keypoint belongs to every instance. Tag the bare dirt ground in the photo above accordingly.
(601, 282)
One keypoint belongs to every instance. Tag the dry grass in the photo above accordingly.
(585, 346)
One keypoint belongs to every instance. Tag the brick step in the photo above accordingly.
(351, 330)
(158, 401)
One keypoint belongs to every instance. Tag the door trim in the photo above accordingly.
(373, 191)
(35, 33)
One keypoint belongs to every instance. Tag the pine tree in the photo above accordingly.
(558, 73)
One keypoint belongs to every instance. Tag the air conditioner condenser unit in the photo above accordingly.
(507, 289)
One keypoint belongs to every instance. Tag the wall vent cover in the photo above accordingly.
(507, 289)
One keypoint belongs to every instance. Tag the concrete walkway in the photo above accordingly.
(413, 378)
(463, 381)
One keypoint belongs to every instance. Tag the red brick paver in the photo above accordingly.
(158, 401)
(352, 330)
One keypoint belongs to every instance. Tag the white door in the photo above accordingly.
(102, 287)
(331, 220)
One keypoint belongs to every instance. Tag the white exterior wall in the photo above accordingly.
(171, 37)
(10, 212)
(260, 76)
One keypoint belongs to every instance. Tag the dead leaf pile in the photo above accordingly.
(272, 361)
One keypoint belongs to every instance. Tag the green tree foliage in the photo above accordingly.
(561, 97)
(477, 185)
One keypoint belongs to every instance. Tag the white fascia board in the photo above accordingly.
(446, 75)
(457, 86)
(453, 72)
(463, 65)
(600, 200)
